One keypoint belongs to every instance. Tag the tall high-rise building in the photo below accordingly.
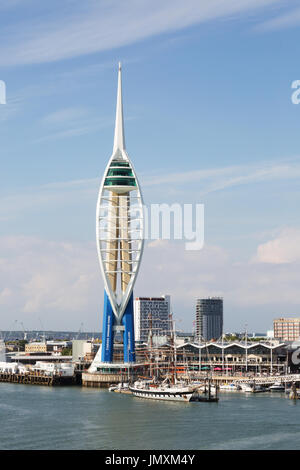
(151, 313)
(119, 233)
(209, 318)
(287, 329)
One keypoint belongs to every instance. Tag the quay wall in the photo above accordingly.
(36, 379)
(101, 380)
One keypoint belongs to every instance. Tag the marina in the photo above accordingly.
(45, 418)
(157, 375)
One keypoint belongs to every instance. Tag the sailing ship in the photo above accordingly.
(164, 391)
(169, 389)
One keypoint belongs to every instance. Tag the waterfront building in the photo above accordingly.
(55, 347)
(64, 369)
(119, 236)
(81, 349)
(209, 318)
(2, 351)
(241, 356)
(182, 338)
(36, 347)
(32, 358)
(222, 357)
(151, 313)
(287, 329)
(58, 346)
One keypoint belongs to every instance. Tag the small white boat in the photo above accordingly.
(277, 387)
(121, 387)
(246, 388)
(204, 389)
(258, 388)
(251, 388)
(229, 388)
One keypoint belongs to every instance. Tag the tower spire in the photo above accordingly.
(119, 139)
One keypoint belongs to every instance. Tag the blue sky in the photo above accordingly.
(208, 118)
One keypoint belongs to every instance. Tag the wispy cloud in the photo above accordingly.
(6, 4)
(11, 109)
(96, 26)
(35, 198)
(283, 21)
(207, 181)
(71, 122)
(67, 114)
(216, 179)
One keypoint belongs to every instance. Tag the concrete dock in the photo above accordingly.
(36, 379)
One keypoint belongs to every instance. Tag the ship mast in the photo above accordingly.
(173, 364)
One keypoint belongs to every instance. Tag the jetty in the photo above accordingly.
(35, 378)
(287, 379)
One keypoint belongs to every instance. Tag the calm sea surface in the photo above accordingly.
(37, 417)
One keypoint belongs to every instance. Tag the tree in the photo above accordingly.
(66, 352)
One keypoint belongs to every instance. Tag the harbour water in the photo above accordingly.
(38, 417)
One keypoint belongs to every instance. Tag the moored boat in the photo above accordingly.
(229, 388)
(277, 387)
(252, 388)
(246, 388)
(205, 389)
(164, 391)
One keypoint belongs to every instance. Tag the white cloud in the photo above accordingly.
(96, 26)
(254, 293)
(57, 281)
(285, 248)
(61, 283)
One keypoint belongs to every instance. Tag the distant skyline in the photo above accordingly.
(208, 119)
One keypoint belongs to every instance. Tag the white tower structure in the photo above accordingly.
(120, 238)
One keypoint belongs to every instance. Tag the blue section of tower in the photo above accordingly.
(108, 331)
(128, 337)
